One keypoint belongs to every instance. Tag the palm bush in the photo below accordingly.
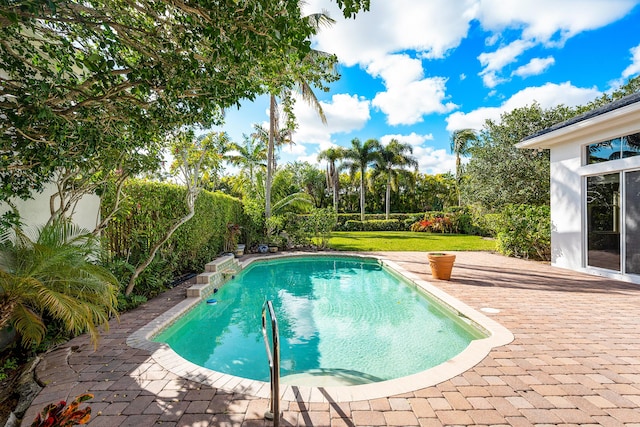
(54, 276)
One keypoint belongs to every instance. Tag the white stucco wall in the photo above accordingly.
(568, 176)
(35, 212)
(566, 207)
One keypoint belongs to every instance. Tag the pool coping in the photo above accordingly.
(475, 352)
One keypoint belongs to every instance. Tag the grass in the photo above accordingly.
(407, 241)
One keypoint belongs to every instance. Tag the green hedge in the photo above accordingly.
(524, 231)
(406, 219)
(374, 225)
(148, 210)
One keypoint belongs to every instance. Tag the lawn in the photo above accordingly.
(407, 241)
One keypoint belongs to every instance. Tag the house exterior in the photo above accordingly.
(595, 190)
(35, 212)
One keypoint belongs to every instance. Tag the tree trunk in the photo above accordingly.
(270, 149)
(191, 204)
(336, 189)
(387, 198)
(362, 195)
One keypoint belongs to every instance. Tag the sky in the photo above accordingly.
(416, 70)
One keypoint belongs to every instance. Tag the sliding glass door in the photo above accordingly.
(603, 221)
(613, 222)
(632, 222)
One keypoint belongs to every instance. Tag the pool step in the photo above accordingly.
(216, 273)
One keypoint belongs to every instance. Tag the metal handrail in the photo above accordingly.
(274, 362)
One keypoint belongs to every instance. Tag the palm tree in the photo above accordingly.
(332, 155)
(53, 277)
(391, 162)
(357, 158)
(249, 156)
(461, 140)
(317, 65)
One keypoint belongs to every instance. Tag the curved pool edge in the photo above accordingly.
(475, 352)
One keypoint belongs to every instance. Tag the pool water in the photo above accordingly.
(346, 318)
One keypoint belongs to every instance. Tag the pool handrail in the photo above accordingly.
(274, 362)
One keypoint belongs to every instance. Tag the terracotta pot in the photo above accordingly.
(441, 265)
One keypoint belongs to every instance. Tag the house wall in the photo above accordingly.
(35, 212)
(568, 222)
(566, 207)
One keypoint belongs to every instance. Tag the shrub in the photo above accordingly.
(406, 219)
(321, 222)
(524, 231)
(461, 220)
(374, 225)
(63, 415)
(146, 213)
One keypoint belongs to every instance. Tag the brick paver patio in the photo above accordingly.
(575, 360)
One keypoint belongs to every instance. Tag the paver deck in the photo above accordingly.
(575, 360)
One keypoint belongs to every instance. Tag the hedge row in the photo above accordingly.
(148, 210)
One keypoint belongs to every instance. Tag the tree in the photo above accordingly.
(391, 162)
(195, 159)
(332, 155)
(499, 173)
(316, 68)
(461, 141)
(53, 277)
(250, 156)
(357, 159)
(75, 76)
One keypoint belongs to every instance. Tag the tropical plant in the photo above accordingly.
(299, 75)
(63, 415)
(250, 156)
(54, 276)
(357, 159)
(391, 162)
(332, 155)
(461, 140)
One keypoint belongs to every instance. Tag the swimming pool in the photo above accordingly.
(342, 321)
(411, 266)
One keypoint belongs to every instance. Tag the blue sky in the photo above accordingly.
(416, 70)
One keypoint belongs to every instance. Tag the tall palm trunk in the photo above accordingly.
(336, 186)
(270, 149)
(387, 197)
(362, 195)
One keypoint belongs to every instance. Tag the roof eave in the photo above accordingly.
(608, 121)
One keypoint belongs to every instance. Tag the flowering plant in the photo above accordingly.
(61, 415)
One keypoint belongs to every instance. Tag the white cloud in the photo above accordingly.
(534, 67)
(412, 139)
(548, 95)
(396, 70)
(494, 62)
(430, 160)
(551, 21)
(434, 161)
(430, 28)
(634, 68)
(406, 104)
(345, 113)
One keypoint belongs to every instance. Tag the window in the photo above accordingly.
(613, 149)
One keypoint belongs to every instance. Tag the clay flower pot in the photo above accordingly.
(441, 265)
